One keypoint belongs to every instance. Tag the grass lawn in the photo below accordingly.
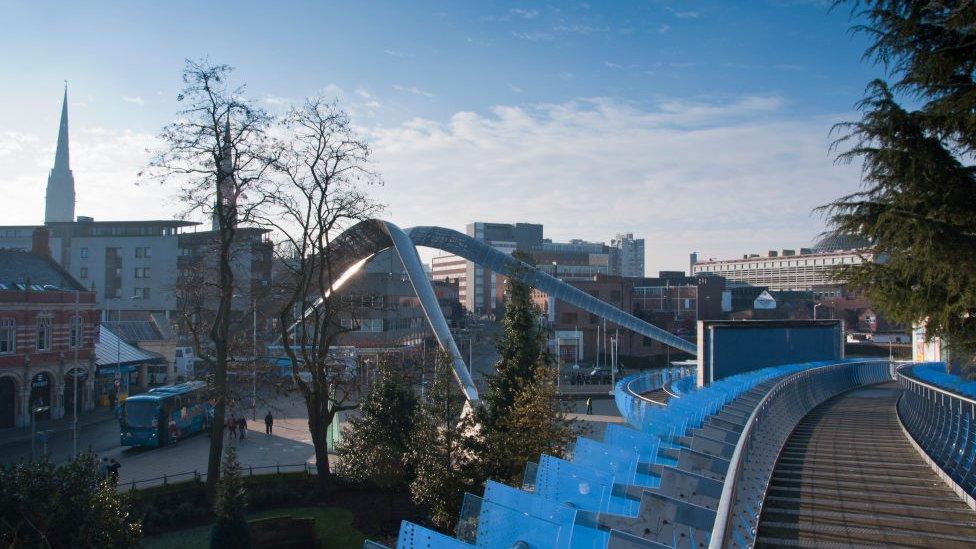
(331, 524)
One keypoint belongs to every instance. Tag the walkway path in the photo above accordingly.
(848, 476)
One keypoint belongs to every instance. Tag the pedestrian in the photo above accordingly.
(242, 426)
(268, 423)
(232, 425)
(103, 469)
(113, 471)
(174, 432)
(589, 406)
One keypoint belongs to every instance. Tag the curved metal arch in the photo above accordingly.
(356, 245)
(473, 250)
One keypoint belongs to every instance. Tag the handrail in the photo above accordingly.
(723, 516)
(905, 371)
(941, 425)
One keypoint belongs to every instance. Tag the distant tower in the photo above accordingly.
(226, 182)
(692, 261)
(60, 200)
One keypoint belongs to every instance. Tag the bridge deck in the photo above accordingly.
(848, 476)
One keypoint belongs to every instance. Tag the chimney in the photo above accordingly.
(41, 242)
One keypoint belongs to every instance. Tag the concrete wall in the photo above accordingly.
(726, 348)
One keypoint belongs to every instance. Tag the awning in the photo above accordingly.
(110, 351)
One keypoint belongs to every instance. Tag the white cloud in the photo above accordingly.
(663, 28)
(515, 88)
(686, 14)
(275, 101)
(397, 53)
(612, 65)
(105, 163)
(723, 178)
(137, 100)
(525, 14)
(412, 89)
(533, 36)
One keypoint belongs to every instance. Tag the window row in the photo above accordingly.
(43, 334)
(141, 252)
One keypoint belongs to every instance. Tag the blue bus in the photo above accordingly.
(165, 414)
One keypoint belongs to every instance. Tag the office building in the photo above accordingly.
(627, 255)
(810, 269)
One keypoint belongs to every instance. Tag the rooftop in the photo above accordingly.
(19, 268)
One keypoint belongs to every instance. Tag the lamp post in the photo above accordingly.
(75, 320)
(34, 411)
(815, 310)
(254, 360)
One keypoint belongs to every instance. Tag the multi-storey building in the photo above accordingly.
(812, 269)
(48, 323)
(133, 266)
(672, 301)
(483, 292)
(627, 255)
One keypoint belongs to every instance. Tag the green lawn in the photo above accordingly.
(332, 524)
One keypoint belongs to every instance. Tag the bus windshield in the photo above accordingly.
(140, 413)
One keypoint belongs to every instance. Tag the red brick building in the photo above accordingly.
(48, 322)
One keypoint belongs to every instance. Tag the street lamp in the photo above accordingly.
(34, 411)
(815, 310)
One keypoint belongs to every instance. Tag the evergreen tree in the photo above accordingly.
(521, 348)
(43, 505)
(918, 204)
(536, 424)
(230, 530)
(375, 444)
(437, 452)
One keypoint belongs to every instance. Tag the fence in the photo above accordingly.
(942, 424)
(629, 391)
(308, 468)
(764, 435)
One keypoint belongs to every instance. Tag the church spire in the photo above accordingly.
(60, 200)
(61, 157)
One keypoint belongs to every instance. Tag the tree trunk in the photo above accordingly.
(318, 425)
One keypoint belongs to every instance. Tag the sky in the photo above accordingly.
(699, 126)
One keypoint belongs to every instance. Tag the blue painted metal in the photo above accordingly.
(942, 423)
(628, 490)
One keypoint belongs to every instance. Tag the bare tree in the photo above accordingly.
(321, 170)
(217, 153)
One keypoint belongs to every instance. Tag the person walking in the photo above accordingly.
(589, 406)
(242, 426)
(232, 425)
(113, 471)
(268, 423)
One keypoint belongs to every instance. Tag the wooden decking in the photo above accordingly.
(849, 477)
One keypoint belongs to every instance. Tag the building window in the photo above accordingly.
(74, 332)
(142, 293)
(83, 272)
(44, 334)
(84, 253)
(143, 252)
(142, 272)
(8, 335)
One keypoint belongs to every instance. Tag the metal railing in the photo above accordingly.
(766, 431)
(629, 391)
(943, 426)
(277, 469)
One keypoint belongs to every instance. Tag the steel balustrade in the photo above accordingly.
(629, 391)
(766, 431)
(942, 424)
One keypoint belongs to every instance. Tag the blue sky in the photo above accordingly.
(699, 125)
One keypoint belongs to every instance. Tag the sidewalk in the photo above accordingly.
(23, 434)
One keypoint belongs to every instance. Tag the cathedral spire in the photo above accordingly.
(61, 157)
(60, 200)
